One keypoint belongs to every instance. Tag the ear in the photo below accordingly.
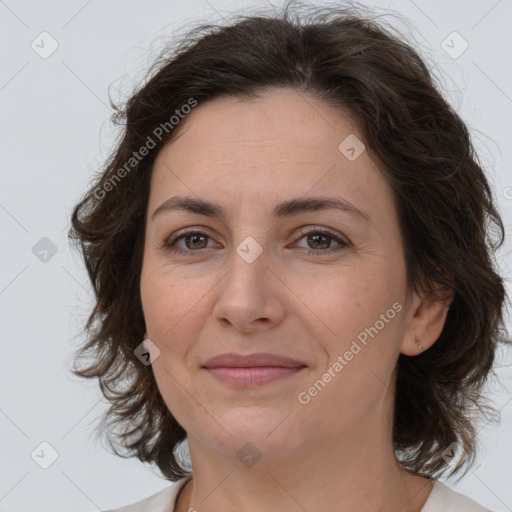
(425, 321)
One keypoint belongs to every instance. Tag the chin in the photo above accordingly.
(254, 432)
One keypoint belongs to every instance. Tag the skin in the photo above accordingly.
(334, 453)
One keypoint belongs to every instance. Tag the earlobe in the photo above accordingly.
(414, 345)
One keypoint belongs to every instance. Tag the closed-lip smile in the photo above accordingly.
(252, 370)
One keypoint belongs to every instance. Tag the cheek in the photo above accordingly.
(360, 331)
(357, 315)
(348, 299)
(165, 303)
(176, 307)
(172, 324)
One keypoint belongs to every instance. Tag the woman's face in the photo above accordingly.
(248, 284)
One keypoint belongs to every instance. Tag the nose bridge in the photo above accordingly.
(247, 293)
(250, 234)
(249, 260)
(251, 254)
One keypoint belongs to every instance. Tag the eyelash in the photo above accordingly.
(171, 244)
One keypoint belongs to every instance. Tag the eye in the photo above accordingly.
(194, 241)
(322, 238)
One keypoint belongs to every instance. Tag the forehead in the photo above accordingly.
(283, 143)
(278, 118)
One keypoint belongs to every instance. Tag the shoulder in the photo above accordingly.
(444, 499)
(162, 501)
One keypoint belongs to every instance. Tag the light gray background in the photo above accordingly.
(55, 133)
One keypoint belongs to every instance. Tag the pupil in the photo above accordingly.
(195, 237)
(319, 236)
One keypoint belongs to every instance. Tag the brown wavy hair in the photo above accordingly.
(349, 59)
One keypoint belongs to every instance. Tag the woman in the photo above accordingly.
(291, 255)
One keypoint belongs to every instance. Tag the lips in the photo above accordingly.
(242, 371)
(251, 361)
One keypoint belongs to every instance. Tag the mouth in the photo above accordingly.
(253, 370)
(252, 377)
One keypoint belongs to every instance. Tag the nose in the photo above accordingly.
(250, 296)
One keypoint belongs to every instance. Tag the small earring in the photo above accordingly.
(420, 346)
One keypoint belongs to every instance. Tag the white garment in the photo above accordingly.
(441, 499)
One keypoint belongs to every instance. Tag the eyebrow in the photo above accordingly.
(281, 210)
